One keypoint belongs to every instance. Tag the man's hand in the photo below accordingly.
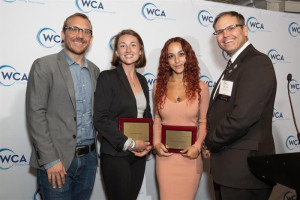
(141, 145)
(57, 175)
(142, 153)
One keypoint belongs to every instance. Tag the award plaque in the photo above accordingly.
(137, 128)
(177, 138)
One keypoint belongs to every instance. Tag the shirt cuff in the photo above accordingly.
(48, 165)
(126, 144)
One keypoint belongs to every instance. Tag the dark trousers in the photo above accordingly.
(227, 193)
(122, 176)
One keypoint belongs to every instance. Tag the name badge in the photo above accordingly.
(225, 90)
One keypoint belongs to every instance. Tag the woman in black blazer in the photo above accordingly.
(122, 92)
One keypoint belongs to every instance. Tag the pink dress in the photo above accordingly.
(178, 177)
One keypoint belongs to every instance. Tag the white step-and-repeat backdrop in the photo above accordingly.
(31, 28)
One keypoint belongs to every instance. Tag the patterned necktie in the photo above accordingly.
(227, 69)
(226, 72)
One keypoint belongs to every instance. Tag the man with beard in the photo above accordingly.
(59, 102)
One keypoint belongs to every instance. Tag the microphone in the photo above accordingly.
(289, 78)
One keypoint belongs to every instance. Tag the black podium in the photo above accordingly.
(280, 168)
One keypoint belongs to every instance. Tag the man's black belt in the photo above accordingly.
(83, 150)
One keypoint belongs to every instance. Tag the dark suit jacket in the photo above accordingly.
(114, 99)
(51, 109)
(242, 125)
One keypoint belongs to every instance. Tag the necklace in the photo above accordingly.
(175, 85)
(132, 80)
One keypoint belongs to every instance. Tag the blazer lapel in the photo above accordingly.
(94, 81)
(239, 59)
(144, 87)
(124, 80)
(235, 64)
(67, 76)
(212, 99)
(93, 76)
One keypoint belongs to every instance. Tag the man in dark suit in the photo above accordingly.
(59, 101)
(240, 113)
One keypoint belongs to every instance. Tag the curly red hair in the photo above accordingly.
(191, 73)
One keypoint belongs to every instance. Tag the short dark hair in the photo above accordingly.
(116, 60)
(240, 17)
(76, 15)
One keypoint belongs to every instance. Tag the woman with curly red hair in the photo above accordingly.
(181, 99)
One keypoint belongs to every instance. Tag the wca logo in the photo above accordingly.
(48, 38)
(87, 6)
(291, 142)
(111, 43)
(205, 18)
(253, 25)
(289, 196)
(294, 29)
(151, 12)
(150, 80)
(10, 76)
(276, 57)
(277, 115)
(294, 86)
(206, 79)
(9, 158)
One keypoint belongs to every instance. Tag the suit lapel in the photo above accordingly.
(214, 90)
(67, 76)
(93, 76)
(234, 65)
(124, 80)
(144, 87)
(94, 81)
(239, 59)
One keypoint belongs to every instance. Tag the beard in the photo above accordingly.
(79, 51)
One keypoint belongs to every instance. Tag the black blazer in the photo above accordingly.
(243, 124)
(114, 99)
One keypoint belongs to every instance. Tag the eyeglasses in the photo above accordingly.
(75, 30)
(227, 29)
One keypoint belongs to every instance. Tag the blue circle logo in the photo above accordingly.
(291, 142)
(294, 29)
(150, 80)
(48, 38)
(205, 18)
(88, 6)
(253, 24)
(294, 86)
(151, 12)
(9, 76)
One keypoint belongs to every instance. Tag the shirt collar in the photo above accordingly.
(72, 62)
(234, 56)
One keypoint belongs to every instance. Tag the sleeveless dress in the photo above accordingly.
(178, 177)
